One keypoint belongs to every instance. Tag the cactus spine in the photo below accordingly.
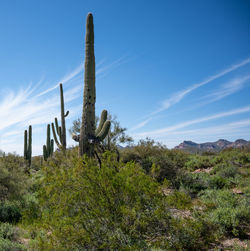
(48, 149)
(28, 145)
(87, 131)
(60, 130)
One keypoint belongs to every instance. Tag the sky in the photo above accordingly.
(169, 70)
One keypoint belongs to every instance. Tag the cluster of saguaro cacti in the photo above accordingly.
(60, 130)
(48, 149)
(88, 134)
(28, 145)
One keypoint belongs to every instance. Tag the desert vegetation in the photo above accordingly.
(152, 199)
(97, 196)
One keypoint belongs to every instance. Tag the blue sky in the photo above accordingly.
(169, 70)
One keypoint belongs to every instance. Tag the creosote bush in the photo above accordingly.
(109, 208)
(115, 207)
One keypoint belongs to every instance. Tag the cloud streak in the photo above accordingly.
(29, 106)
(228, 89)
(163, 131)
(177, 97)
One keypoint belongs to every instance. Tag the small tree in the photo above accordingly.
(117, 134)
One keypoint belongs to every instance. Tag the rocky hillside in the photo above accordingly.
(212, 146)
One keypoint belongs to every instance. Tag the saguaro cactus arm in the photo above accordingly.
(104, 131)
(60, 130)
(63, 115)
(104, 116)
(101, 132)
(54, 135)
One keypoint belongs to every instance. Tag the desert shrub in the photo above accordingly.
(234, 156)
(225, 170)
(157, 160)
(7, 231)
(114, 207)
(216, 182)
(230, 212)
(10, 211)
(179, 200)
(7, 245)
(199, 162)
(31, 210)
(13, 181)
(170, 165)
(8, 237)
(191, 234)
(194, 183)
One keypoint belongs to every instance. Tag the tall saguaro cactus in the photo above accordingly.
(28, 145)
(87, 129)
(60, 130)
(88, 135)
(49, 147)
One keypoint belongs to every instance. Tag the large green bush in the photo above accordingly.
(113, 207)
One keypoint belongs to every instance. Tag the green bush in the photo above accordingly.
(114, 207)
(13, 181)
(8, 237)
(10, 212)
(179, 200)
(7, 245)
(191, 234)
(230, 212)
(199, 162)
(7, 231)
(157, 160)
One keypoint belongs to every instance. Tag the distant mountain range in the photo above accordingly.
(212, 146)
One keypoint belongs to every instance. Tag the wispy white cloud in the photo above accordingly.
(165, 130)
(236, 130)
(68, 77)
(103, 70)
(29, 106)
(140, 125)
(177, 97)
(228, 89)
(212, 130)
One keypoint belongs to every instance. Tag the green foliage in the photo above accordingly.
(8, 238)
(179, 200)
(114, 207)
(190, 234)
(12, 178)
(7, 245)
(10, 212)
(199, 162)
(157, 160)
(8, 231)
(230, 212)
